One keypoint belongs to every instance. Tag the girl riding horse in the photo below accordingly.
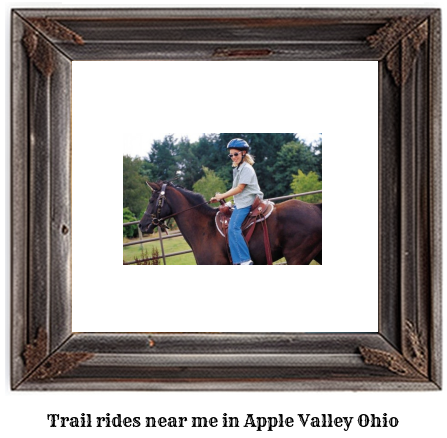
(245, 189)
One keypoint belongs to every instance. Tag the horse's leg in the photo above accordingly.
(298, 260)
(212, 251)
(303, 257)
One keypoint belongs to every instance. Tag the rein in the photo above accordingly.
(158, 221)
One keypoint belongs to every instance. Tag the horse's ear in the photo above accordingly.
(153, 186)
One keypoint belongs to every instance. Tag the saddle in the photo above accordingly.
(259, 212)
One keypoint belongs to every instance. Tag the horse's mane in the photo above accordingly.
(193, 197)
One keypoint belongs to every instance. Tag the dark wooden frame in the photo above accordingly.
(405, 354)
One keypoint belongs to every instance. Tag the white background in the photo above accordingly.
(420, 414)
(339, 99)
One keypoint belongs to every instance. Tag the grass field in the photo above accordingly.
(176, 244)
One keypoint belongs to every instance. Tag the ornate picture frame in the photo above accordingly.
(405, 353)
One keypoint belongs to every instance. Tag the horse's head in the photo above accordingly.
(157, 207)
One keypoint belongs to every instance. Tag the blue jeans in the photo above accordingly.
(238, 247)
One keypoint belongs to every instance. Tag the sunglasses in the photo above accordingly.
(234, 155)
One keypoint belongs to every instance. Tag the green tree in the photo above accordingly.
(209, 184)
(277, 157)
(129, 230)
(291, 157)
(303, 183)
(213, 155)
(135, 191)
(190, 162)
(163, 157)
(148, 170)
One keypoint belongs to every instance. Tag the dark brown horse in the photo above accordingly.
(294, 227)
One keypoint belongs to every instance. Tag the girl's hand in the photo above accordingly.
(216, 198)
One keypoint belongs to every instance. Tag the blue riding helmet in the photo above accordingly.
(239, 144)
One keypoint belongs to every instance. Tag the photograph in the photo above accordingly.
(229, 169)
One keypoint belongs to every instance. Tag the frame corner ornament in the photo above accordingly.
(394, 362)
(41, 366)
(400, 57)
(39, 49)
(416, 350)
(58, 364)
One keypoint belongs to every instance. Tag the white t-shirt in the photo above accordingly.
(245, 174)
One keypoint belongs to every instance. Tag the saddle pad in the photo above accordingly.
(222, 221)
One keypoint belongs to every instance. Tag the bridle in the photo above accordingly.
(158, 221)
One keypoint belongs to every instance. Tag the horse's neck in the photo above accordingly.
(198, 227)
(192, 220)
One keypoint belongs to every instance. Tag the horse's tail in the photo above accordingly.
(320, 206)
